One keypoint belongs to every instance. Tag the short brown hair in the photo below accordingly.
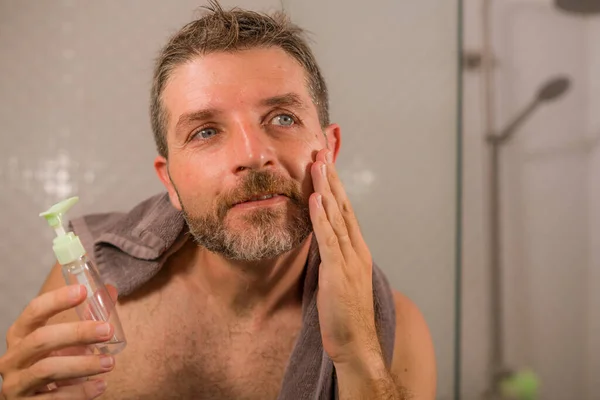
(228, 31)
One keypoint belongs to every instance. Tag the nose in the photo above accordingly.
(252, 149)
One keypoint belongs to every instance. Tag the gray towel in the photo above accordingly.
(130, 248)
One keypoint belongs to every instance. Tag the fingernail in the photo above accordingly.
(106, 361)
(329, 157)
(320, 200)
(324, 170)
(103, 330)
(75, 292)
(100, 386)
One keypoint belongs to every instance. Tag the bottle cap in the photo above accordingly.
(66, 245)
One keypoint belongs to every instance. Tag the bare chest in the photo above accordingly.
(179, 350)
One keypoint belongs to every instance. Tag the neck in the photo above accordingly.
(259, 288)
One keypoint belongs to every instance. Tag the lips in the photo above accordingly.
(260, 197)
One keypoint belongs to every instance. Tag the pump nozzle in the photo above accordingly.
(55, 213)
(67, 246)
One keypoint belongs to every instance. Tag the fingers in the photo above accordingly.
(55, 337)
(86, 390)
(328, 242)
(345, 207)
(54, 369)
(26, 366)
(43, 307)
(337, 207)
(321, 184)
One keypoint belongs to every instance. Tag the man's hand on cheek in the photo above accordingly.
(345, 296)
(345, 293)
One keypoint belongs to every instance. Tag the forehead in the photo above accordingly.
(224, 80)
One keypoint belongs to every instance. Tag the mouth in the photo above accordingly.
(260, 197)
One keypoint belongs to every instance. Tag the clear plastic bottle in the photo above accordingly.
(98, 305)
(78, 269)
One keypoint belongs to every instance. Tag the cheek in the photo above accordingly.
(307, 184)
(194, 181)
(299, 165)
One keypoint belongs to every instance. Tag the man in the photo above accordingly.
(246, 152)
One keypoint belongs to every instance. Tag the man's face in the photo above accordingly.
(242, 133)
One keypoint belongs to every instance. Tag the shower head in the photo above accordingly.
(553, 89)
(579, 6)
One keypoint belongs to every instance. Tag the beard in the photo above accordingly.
(264, 233)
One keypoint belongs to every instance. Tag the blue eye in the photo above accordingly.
(283, 120)
(206, 133)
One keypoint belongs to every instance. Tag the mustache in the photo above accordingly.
(260, 183)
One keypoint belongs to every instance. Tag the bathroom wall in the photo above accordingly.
(549, 201)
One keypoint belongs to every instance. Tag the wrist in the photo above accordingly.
(367, 365)
(363, 356)
(364, 377)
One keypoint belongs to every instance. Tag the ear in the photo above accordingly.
(334, 139)
(161, 166)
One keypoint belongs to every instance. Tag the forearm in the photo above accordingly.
(367, 379)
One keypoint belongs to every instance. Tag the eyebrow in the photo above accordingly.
(200, 115)
(288, 99)
(285, 100)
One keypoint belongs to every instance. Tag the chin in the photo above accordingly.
(250, 226)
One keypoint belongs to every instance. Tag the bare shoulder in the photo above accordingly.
(413, 362)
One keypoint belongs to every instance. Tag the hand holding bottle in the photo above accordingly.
(39, 355)
(77, 268)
